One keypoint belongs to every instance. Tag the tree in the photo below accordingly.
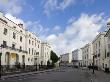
(54, 57)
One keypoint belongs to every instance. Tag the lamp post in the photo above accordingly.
(0, 62)
(93, 65)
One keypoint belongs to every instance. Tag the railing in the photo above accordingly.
(15, 49)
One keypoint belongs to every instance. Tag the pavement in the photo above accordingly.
(26, 73)
(64, 74)
(100, 76)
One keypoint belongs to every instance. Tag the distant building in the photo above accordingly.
(66, 58)
(45, 53)
(99, 50)
(87, 54)
(77, 57)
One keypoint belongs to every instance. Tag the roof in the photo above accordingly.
(107, 32)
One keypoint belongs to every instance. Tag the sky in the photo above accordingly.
(65, 24)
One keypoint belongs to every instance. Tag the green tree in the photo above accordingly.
(54, 57)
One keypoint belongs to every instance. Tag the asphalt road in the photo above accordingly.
(62, 75)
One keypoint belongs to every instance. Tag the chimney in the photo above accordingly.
(108, 25)
(20, 25)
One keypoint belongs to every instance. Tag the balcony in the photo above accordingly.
(12, 48)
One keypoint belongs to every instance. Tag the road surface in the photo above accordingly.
(67, 74)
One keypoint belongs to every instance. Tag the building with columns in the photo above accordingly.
(33, 47)
(107, 55)
(87, 54)
(45, 53)
(99, 50)
(66, 59)
(77, 57)
(18, 45)
(12, 41)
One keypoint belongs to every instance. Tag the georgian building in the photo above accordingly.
(66, 58)
(18, 45)
(107, 55)
(12, 41)
(77, 57)
(99, 50)
(87, 54)
(45, 53)
(33, 46)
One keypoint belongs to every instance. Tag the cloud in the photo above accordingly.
(33, 26)
(52, 5)
(11, 6)
(14, 19)
(56, 28)
(63, 5)
(77, 33)
(37, 28)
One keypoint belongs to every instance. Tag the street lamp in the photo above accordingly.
(93, 65)
(0, 61)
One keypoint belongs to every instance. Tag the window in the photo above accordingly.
(35, 43)
(32, 59)
(29, 50)
(4, 43)
(20, 48)
(29, 42)
(28, 59)
(35, 52)
(5, 31)
(14, 26)
(38, 46)
(32, 42)
(99, 43)
(32, 51)
(14, 35)
(13, 46)
(21, 38)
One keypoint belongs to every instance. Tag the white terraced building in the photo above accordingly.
(107, 56)
(45, 53)
(66, 59)
(33, 46)
(18, 45)
(77, 57)
(99, 50)
(87, 54)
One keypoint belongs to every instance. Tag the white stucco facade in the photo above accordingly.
(45, 53)
(18, 45)
(99, 49)
(107, 57)
(66, 58)
(87, 54)
(77, 57)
